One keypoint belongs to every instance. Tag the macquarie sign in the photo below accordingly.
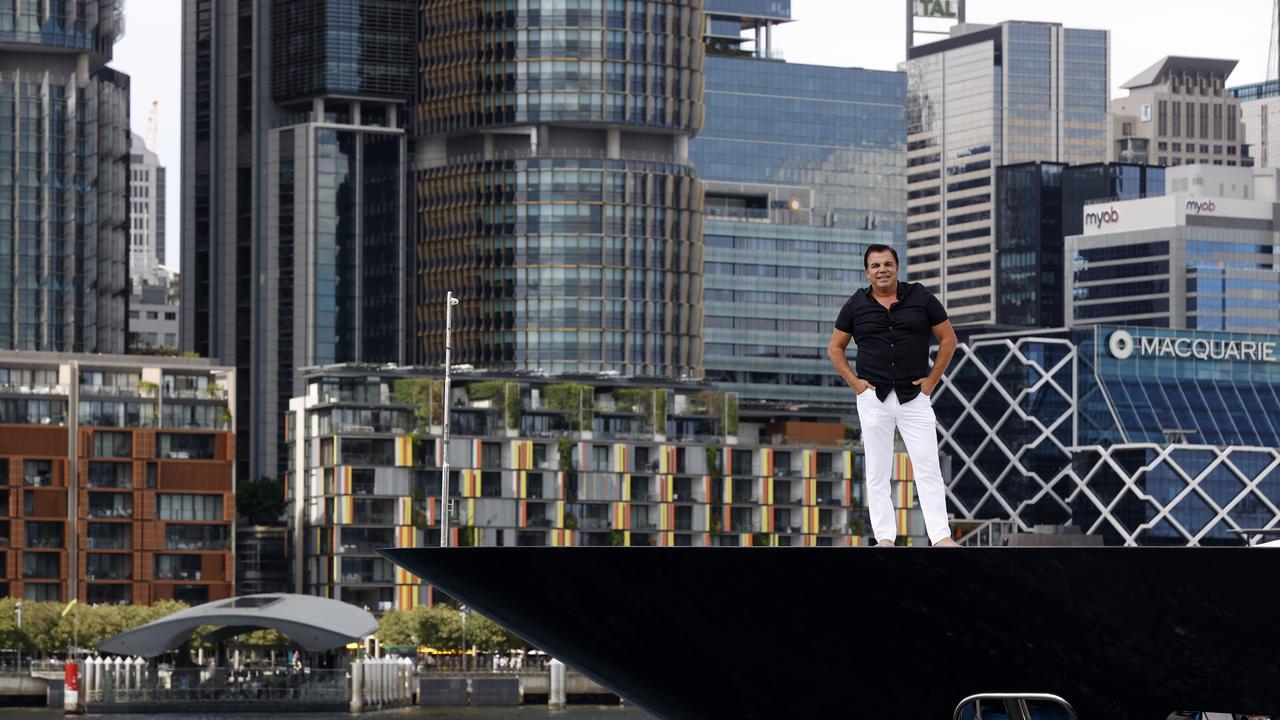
(1124, 345)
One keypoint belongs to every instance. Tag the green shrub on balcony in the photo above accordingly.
(485, 390)
(426, 395)
(514, 406)
(574, 399)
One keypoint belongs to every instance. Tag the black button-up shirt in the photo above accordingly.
(893, 343)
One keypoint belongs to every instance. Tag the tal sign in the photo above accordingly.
(935, 8)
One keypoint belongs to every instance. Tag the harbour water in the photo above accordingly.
(417, 713)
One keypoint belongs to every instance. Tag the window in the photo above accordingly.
(201, 537)
(41, 565)
(1177, 119)
(1191, 119)
(43, 592)
(37, 473)
(172, 506)
(171, 316)
(45, 534)
(103, 566)
(112, 444)
(178, 567)
(184, 446)
(110, 505)
(1163, 118)
(110, 536)
(110, 474)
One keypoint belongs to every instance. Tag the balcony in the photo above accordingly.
(110, 513)
(108, 543)
(44, 543)
(366, 578)
(367, 547)
(178, 575)
(15, 389)
(373, 518)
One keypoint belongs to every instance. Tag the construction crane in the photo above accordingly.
(151, 125)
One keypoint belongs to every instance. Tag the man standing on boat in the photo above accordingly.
(892, 324)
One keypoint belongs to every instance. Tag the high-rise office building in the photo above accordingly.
(64, 178)
(555, 195)
(1260, 114)
(1203, 257)
(984, 97)
(1178, 112)
(146, 212)
(1037, 206)
(294, 158)
(804, 168)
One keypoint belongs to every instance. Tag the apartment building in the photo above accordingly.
(559, 462)
(116, 478)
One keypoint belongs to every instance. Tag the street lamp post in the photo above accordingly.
(450, 301)
(17, 610)
(465, 655)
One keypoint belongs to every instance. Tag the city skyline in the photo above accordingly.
(822, 33)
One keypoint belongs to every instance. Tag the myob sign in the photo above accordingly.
(1124, 345)
(934, 8)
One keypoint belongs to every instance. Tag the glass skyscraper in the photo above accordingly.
(64, 178)
(294, 223)
(1037, 206)
(554, 190)
(989, 96)
(804, 168)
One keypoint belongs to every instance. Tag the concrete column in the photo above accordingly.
(317, 110)
(393, 115)
(556, 697)
(355, 112)
(357, 686)
(758, 48)
(682, 148)
(768, 40)
(613, 143)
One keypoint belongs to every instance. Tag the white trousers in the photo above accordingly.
(918, 426)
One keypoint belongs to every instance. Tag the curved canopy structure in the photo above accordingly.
(315, 623)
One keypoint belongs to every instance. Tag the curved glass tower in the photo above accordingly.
(64, 178)
(554, 190)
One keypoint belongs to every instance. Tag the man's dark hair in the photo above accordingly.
(866, 257)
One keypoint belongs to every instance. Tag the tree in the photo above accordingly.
(261, 501)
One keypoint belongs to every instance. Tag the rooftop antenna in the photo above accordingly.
(151, 125)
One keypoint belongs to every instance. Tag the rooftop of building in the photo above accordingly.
(1179, 64)
(22, 358)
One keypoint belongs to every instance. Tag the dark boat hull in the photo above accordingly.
(771, 633)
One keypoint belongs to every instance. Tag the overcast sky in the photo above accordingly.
(847, 33)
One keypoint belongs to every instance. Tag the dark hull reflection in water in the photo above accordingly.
(768, 633)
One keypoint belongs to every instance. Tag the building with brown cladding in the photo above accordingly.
(116, 478)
